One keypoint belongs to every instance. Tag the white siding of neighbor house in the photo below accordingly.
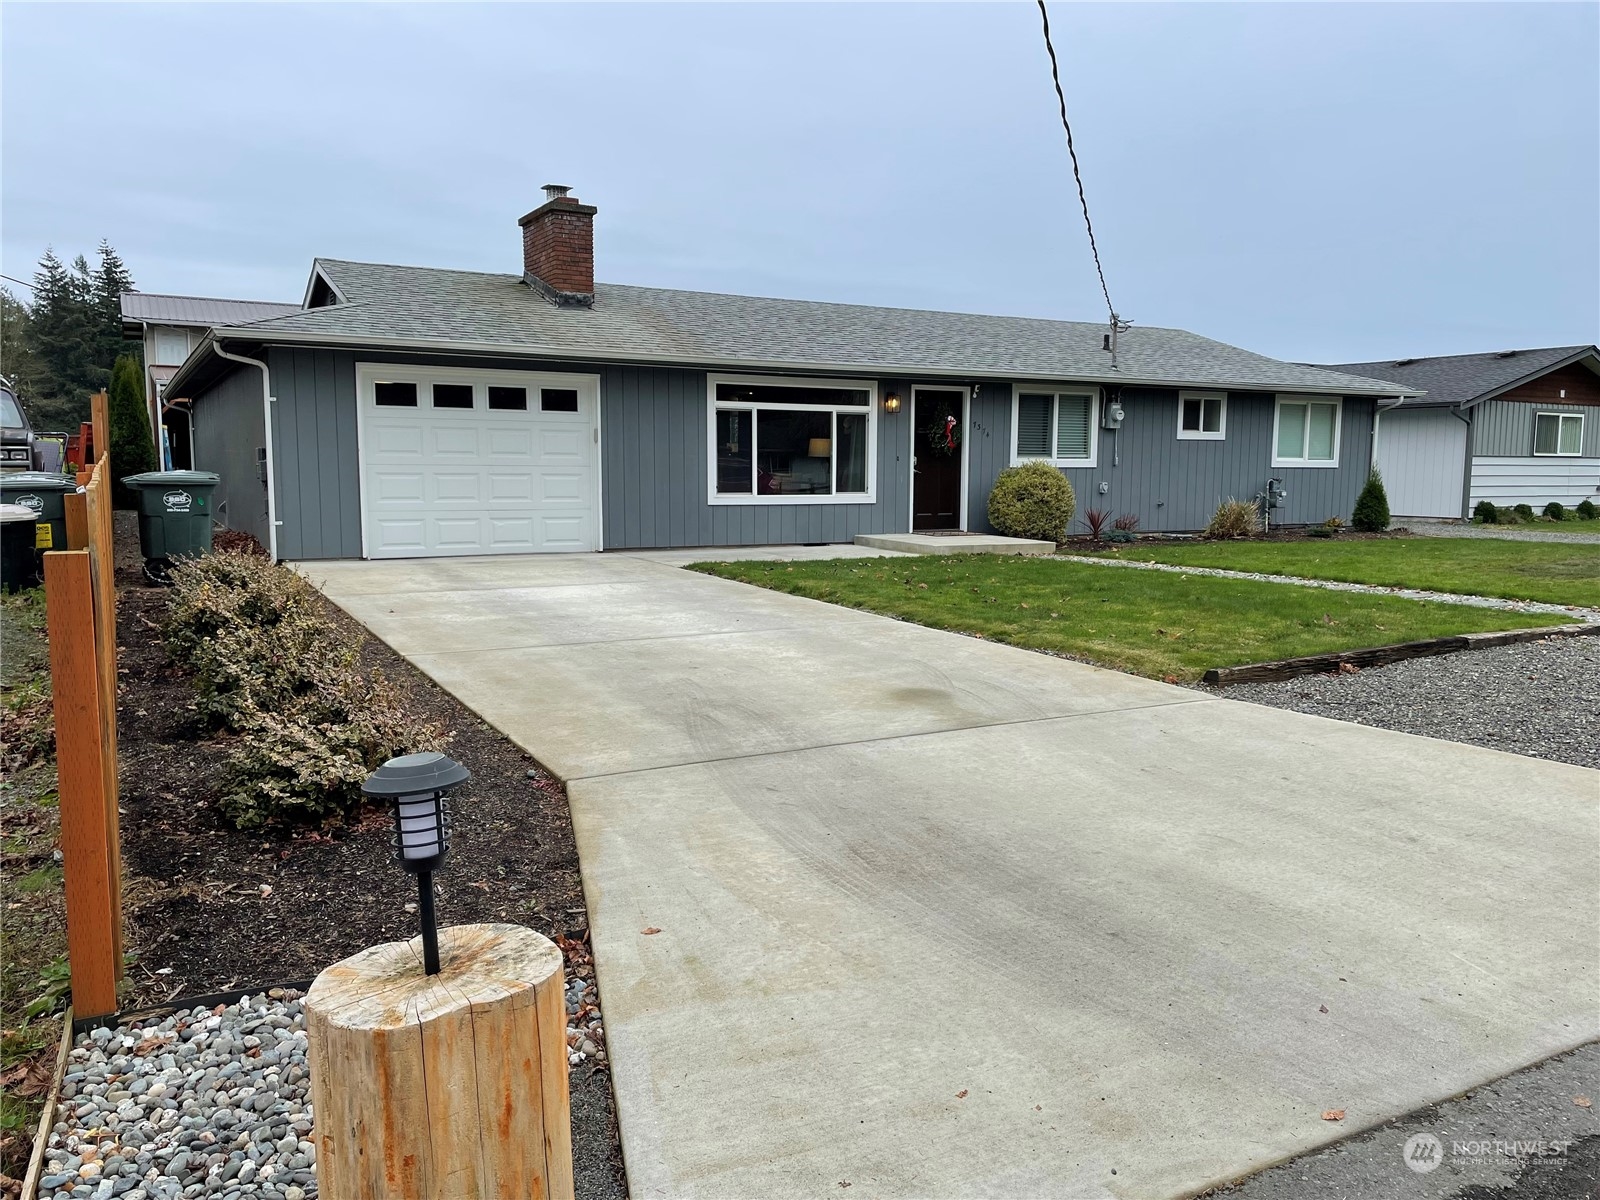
(1537, 481)
(1423, 456)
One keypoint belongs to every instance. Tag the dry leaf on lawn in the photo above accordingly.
(1582, 1101)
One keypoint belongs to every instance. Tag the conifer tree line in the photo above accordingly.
(61, 344)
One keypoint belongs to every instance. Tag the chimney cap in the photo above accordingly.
(555, 191)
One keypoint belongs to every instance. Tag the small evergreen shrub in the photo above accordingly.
(270, 666)
(1234, 519)
(1524, 511)
(1371, 513)
(1586, 510)
(1033, 500)
(133, 447)
(1485, 513)
(1555, 510)
(1121, 536)
(1321, 531)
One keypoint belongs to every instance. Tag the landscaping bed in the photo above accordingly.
(1547, 572)
(1162, 624)
(213, 908)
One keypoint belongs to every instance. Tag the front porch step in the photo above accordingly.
(953, 543)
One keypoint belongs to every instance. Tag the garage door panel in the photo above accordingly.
(457, 487)
(479, 481)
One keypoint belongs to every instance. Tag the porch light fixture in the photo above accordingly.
(417, 783)
(891, 402)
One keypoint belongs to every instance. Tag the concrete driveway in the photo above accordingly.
(945, 918)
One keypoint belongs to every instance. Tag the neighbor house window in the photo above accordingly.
(1558, 433)
(1306, 432)
(1202, 416)
(791, 441)
(1056, 425)
(172, 346)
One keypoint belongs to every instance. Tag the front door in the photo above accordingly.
(938, 419)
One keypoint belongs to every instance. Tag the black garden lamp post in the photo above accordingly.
(417, 784)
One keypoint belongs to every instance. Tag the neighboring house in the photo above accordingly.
(170, 327)
(1515, 427)
(409, 411)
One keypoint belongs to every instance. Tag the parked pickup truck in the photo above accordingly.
(18, 451)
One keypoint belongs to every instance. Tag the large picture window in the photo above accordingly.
(1559, 434)
(797, 441)
(1306, 432)
(1057, 425)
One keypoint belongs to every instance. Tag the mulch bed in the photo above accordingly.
(1081, 543)
(213, 909)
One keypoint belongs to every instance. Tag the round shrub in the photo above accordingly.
(1033, 500)
(1555, 510)
(1586, 510)
(1485, 513)
(1524, 511)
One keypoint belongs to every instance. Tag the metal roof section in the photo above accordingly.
(153, 308)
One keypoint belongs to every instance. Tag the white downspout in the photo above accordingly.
(1377, 413)
(266, 418)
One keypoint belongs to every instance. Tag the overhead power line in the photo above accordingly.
(13, 279)
(1077, 175)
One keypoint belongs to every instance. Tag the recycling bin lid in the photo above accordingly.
(17, 512)
(171, 478)
(37, 481)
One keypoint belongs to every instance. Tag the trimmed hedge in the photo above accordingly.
(1033, 500)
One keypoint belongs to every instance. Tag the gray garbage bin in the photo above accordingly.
(19, 562)
(174, 512)
(46, 494)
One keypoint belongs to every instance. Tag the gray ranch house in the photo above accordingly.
(1513, 427)
(405, 412)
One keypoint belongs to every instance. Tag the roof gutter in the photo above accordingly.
(1377, 414)
(267, 400)
(568, 354)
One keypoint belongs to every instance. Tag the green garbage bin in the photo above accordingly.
(19, 562)
(46, 494)
(174, 512)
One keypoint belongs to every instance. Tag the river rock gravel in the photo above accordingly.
(213, 1102)
(1536, 698)
(201, 1102)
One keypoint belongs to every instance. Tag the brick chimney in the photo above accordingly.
(558, 248)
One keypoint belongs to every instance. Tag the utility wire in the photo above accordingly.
(13, 279)
(1061, 97)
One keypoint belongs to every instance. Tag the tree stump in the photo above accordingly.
(447, 1086)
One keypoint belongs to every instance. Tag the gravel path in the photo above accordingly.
(212, 1102)
(1568, 613)
(1536, 698)
(1508, 533)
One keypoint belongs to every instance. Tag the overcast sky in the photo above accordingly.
(1319, 182)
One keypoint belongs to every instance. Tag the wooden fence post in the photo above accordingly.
(100, 418)
(102, 570)
(93, 913)
(77, 521)
(443, 1087)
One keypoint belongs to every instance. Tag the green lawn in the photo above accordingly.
(1553, 572)
(1570, 525)
(1148, 622)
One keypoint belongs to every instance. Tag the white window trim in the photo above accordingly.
(1558, 452)
(870, 496)
(1202, 435)
(1056, 391)
(1338, 430)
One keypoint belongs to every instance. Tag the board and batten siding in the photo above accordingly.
(1422, 453)
(229, 427)
(1175, 485)
(314, 453)
(1504, 428)
(654, 442)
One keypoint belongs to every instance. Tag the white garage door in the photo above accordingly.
(477, 462)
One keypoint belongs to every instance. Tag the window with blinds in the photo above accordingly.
(1055, 425)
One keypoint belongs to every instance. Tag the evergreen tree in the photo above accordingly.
(1371, 513)
(111, 279)
(73, 331)
(18, 362)
(133, 449)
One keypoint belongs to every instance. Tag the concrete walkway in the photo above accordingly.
(1568, 612)
(943, 918)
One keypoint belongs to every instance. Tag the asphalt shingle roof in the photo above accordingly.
(198, 310)
(1461, 378)
(409, 305)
